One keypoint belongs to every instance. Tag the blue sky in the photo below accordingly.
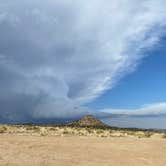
(146, 85)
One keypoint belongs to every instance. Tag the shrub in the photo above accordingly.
(66, 132)
(164, 135)
(36, 128)
(52, 129)
(3, 129)
(148, 134)
(99, 131)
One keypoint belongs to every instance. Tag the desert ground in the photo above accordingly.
(65, 146)
(81, 151)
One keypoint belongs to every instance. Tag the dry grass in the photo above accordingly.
(77, 131)
(3, 129)
(164, 135)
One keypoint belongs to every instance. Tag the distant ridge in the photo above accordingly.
(87, 120)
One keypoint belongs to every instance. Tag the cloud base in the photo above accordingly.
(52, 62)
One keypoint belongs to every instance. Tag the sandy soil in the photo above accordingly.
(18, 150)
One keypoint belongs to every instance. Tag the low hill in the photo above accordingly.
(87, 120)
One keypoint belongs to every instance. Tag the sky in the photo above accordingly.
(145, 85)
(61, 59)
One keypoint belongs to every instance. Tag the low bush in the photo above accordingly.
(164, 135)
(3, 129)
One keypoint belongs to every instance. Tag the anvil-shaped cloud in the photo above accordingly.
(57, 55)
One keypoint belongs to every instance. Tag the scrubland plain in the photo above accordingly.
(80, 146)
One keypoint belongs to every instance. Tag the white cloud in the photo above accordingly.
(73, 50)
(150, 109)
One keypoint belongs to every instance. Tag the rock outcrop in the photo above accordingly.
(87, 120)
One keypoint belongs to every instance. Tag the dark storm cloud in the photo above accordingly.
(57, 55)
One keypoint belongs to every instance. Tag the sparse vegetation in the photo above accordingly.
(164, 135)
(75, 128)
(98, 131)
(148, 134)
(43, 134)
(36, 128)
(66, 132)
(3, 129)
(52, 129)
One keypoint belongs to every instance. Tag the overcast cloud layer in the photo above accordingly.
(57, 55)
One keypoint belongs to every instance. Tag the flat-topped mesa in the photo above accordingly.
(87, 120)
